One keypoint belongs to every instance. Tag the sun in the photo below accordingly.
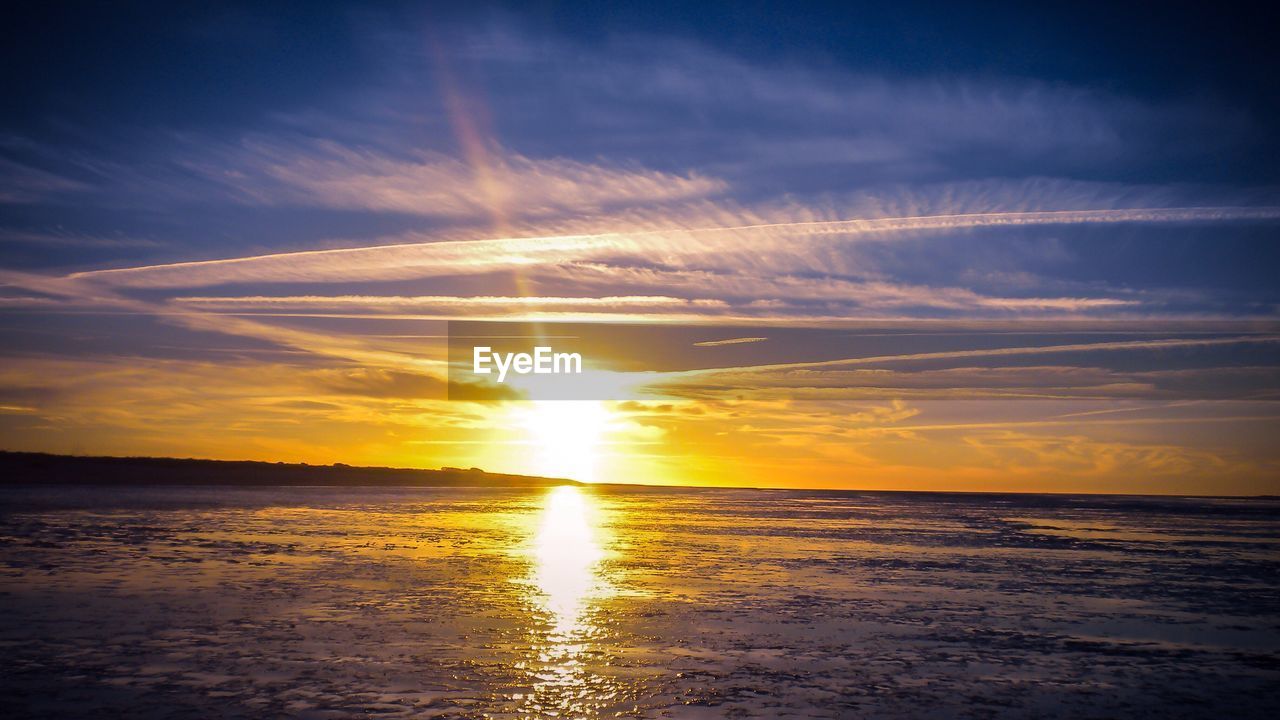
(566, 436)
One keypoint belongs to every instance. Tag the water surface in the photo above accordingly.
(617, 602)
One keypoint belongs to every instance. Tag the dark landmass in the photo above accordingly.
(25, 468)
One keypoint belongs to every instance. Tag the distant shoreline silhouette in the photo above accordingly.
(29, 468)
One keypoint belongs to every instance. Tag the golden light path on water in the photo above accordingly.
(568, 582)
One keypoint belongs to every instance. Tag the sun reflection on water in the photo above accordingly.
(567, 554)
(565, 671)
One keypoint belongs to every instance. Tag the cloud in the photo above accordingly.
(447, 305)
(1081, 455)
(22, 184)
(770, 125)
(774, 246)
(328, 174)
(1088, 380)
(816, 296)
(391, 384)
(1115, 346)
(835, 304)
(74, 240)
(730, 341)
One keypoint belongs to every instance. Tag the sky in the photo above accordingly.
(992, 247)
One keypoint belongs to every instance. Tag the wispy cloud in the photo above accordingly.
(328, 174)
(1119, 346)
(730, 341)
(23, 184)
(755, 246)
(436, 303)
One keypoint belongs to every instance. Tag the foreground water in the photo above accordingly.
(326, 602)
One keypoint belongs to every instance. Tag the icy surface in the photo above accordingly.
(344, 602)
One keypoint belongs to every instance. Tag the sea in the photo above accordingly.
(634, 602)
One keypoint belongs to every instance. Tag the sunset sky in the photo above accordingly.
(971, 249)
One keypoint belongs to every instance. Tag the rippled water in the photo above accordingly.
(327, 602)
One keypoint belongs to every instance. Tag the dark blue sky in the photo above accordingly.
(233, 60)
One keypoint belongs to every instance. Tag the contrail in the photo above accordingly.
(448, 257)
(992, 352)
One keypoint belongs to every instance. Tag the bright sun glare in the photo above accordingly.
(566, 435)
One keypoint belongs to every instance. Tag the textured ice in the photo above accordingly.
(616, 602)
